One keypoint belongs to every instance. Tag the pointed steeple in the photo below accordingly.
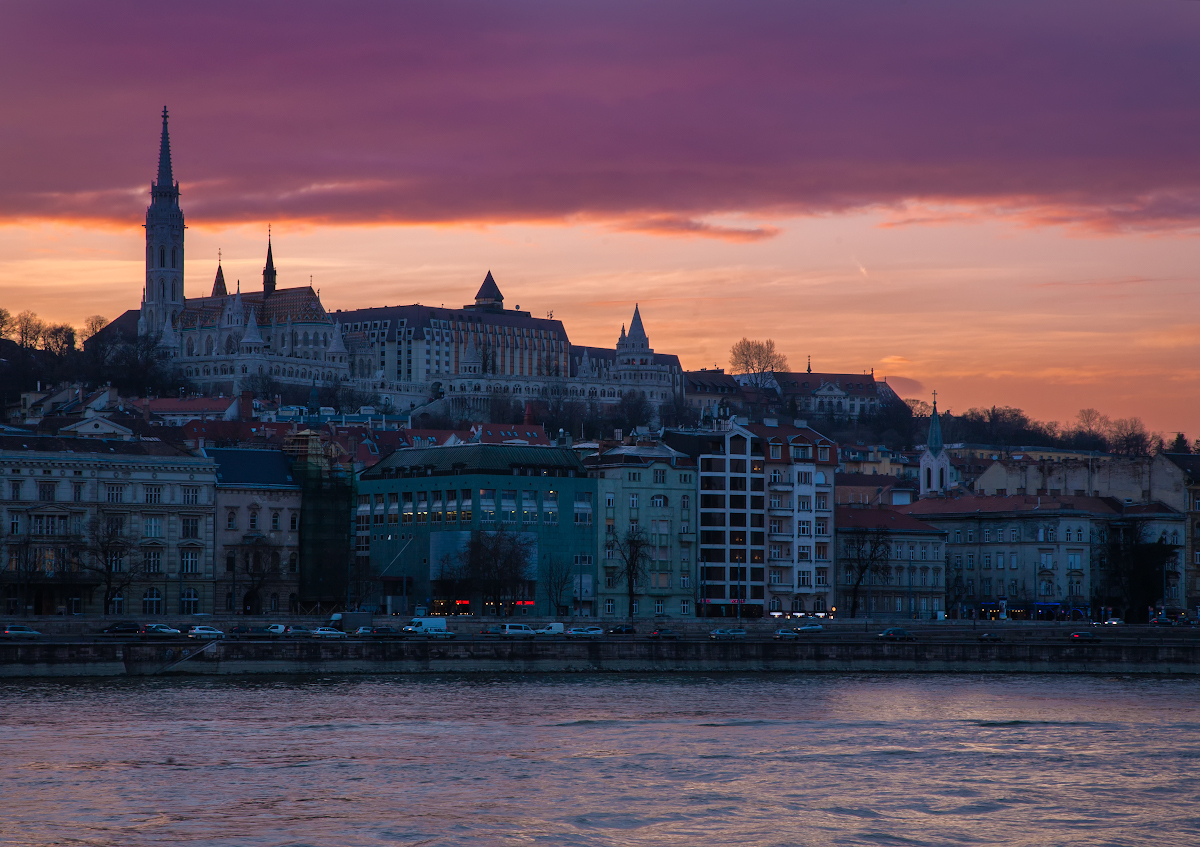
(219, 289)
(933, 441)
(164, 156)
(252, 336)
(636, 331)
(269, 270)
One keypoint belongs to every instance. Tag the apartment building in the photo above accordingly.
(646, 488)
(766, 517)
(889, 564)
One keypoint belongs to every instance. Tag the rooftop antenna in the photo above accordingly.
(810, 362)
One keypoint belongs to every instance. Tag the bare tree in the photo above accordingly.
(29, 328)
(1135, 567)
(91, 326)
(866, 551)
(494, 563)
(58, 339)
(757, 360)
(1129, 437)
(23, 566)
(558, 579)
(111, 556)
(7, 324)
(633, 554)
(260, 565)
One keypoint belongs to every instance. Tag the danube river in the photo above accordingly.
(602, 760)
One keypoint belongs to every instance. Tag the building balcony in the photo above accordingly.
(780, 486)
(779, 536)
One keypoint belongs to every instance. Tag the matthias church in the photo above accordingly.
(406, 356)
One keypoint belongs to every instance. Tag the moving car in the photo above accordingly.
(785, 635)
(809, 627)
(491, 632)
(1084, 635)
(20, 631)
(990, 636)
(385, 632)
(362, 631)
(622, 629)
(327, 632)
(242, 631)
(122, 628)
(297, 631)
(276, 629)
(159, 630)
(429, 628)
(205, 632)
(664, 634)
(1114, 622)
(896, 634)
(1161, 622)
(727, 634)
(552, 629)
(585, 632)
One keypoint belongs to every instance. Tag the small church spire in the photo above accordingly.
(269, 270)
(933, 442)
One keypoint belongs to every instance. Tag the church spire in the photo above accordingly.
(164, 156)
(269, 270)
(636, 331)
(933, 441)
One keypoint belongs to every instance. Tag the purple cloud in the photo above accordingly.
(650, 115)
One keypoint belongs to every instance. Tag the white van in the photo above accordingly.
(551, 629)
(428, 628)
(517, 630)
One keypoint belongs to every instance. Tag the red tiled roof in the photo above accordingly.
(849, 517)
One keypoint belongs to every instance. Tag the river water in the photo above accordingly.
(602, 760)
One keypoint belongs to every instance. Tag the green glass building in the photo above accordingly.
(479, 528)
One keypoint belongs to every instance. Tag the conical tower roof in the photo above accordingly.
(636, 331)
(219, 289)
(252, 335)
(489, 293)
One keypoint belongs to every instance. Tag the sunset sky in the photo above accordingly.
(999, 201)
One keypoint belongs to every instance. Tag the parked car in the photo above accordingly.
(1114, 622)
(242, 631)
(1084, 635)
(622, 629)
(990, 636)
(297, 631)
(1160, 621)
(385, 632)
(491, 632)
(429, 628)
(896, 634)
(585, 632)
(517, 630)
(551, 629)
(809, 627)
(159, 630)
(727, 634)
(327, 632)
(276, 629)
(122, 628)
(785, 635)
(20, 631)
(362, 631)
(664, 634)
(206, 633)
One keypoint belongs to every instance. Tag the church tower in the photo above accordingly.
(937, 471)
(162, 299)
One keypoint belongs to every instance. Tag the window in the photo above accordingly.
(610, 500)
(153, 527)
(153, 494)
(633, 501)
(685, 502)
(805, 579)
(658, 501)
(114, 493)
(804, 477)
(970, 561)
(154, 561)
(1012, 534)
(660, 476)
(294, 522)
(776, 451)
(78, 492)
(191, 495)
(46, 492)
(231, 520)
(14, 489)
(253, 523)
(685, 608)
(660, 607)
(189, 602)
(152, 602)
(230, 562)
(275, 520)
(610, 607)
(189, 528)
(633, 476)
(822, 501)
(987, 536)
(804, 527)
(685, 478)
(822, 526)
(189, 561)
(633, 609)
(822, 454)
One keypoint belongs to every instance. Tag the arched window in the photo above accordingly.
(191, 347)
(172, 290)
(152, 602)
(189, 602)
(162, 257)
(293, 564)
(162, 289)
(230, 562)
(208, 346)
(274, 602)
(275, 562)
(172, 257)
